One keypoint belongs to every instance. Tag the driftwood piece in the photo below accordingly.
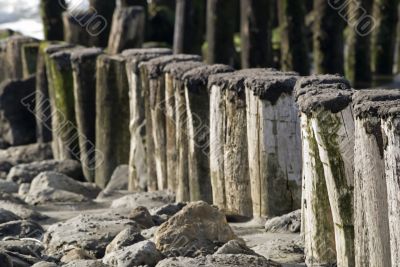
(112, 117)
(30, 54)
(128, 28)
(138, 169)
(84, 69)
(274, 144)
(389, 112)
(330, 115)
(173, 81)
(372, 238)
(155, 114)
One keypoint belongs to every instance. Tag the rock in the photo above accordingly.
(142, 216)
(45, 264)
(24, 154)
(85, 263)
(8, 186)
(148, 199)
(23, 211)
(220, 260)
(110, 196)
(25, 246)
(21, 229)
(5, 260)
(7, 216)
(20, 260)
(119, 179)
(197, 229)
(149, 233)
(76, 254)
(11, 198)
(24, 173)
(142, 253)
(125, 238)
(290, 222)
(18, 124)
(24, 189)
(168, 209)
(236, 246)
(50, 187)
(91, 233)
(160, 219)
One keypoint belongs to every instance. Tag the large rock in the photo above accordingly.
(91, 233)
(119, 179)
(8, 186)
(8, 216)
(22, 210)
(142, 253)
(50, 187)
(24, 247)
(290, 222)
(125, 238)
(142, 216)
(5, 260)
(197, 229)
(23, 154)
(148, 199)
(24, 173)
(238, 260)
(86, 263)
(21, 229)
(17, 122)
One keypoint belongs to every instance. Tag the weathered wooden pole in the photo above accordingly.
(128, 28)
(372, 239)
(256, 33)
(358, 60)
(220, 30)
(328, 37)
(274, 144)
(76, 30)
(294, 51)
(112, 116)
(104, 11)
(30, 54)
(84, 69)
(51, 13)
(13, 55)
(138, 169)
(173, 75)
(389, 112)
(229, 166)
(384, 38)
(325, 101)
(189, 26)
(155, 114)
(64, 126)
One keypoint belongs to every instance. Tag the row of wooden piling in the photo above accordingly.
(232, 138)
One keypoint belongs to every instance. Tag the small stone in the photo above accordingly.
(142, 216)
(76, 254)
(8, 187)
(125, 238)
(290, 222)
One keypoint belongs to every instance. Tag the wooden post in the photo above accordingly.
(294, 51)
(389, 112)
(372, 241)
(328, 38)
(358, 60)
(330, 116)
(14, 55)
(138, 169)
(220, 30)
(29, 59)
(155, 123)
(173, 77)
(256, 33)
(127, 30)
(229, 167)
(189, 26)
(274, 144)
(384, 39)
(76, 30)
(51, 13)
(64, 127)
(104, 11)
(112, 116)
(84, 66)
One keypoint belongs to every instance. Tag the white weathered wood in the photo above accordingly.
(372, 244)
(170, 124)
(317, 222)
(217, 141)
(391, 128)
(335, 139)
